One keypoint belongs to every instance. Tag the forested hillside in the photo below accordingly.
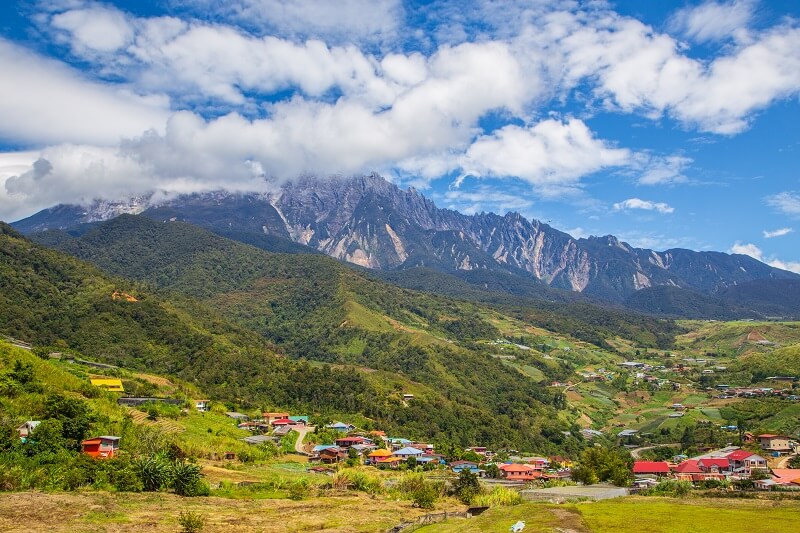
(51, 299)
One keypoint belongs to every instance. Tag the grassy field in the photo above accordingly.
(158, 512)
(643, 515)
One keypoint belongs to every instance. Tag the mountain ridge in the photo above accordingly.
(371, 222)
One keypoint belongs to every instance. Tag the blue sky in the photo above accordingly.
(668, 124)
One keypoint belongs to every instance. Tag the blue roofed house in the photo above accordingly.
(408, 451)
(398, 443)
(458, 466)
(341, 426)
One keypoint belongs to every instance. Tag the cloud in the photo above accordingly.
(485, 198)
(787, 202)
(657, 170)
(549, 153)
(340, 21)
(777, 233)
(95, 29)
(755, 252)
(43, 101)
(636, 203)
(713, 21)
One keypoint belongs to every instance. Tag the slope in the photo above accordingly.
(50, 298)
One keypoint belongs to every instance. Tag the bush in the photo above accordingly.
(298, 489)
(191, 522)
(186, 479)
(498, 496)
(153, 472)
(466, 487)
(425, 496)
(669, 487)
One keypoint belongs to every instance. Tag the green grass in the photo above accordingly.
(643, 515)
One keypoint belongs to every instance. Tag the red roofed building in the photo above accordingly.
(282, 422)
(346, 442)
(714, 466)
(775, 443)
(104, 447)
(659, 468)
(518, 472)
(744, 462)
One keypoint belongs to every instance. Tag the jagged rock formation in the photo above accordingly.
(370, 222)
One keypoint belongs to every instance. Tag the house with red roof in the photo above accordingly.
(519, 472)
(714, 465)
(744, 462)
(688, 470)
(103, 447)
(282, 422)
(346, 442)
(657, 468)
(786, 476)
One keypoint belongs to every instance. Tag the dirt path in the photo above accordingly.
(298, 445)
(782, 462)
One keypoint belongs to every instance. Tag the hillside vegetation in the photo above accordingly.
(296, 302)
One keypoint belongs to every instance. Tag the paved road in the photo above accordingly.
(298, 445)
(637, 451)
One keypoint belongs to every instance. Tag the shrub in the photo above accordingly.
(669, 487)
(425, 496)
(186, 479)
(498, 496)
(298, 489)
(153, 472)
(191, 522)
(466, 487)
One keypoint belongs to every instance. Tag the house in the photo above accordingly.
(744, 462)
(656, 468)
(775, 443)
(786, 476)
(27, 428)
(135, 401)
(256, 440)
(711, 465)
(565, 462)
(688, 470)
(237, 416)
(103, 447)
(280, 431)
(590, 433)
(202, 405)
(519, 472)
(341, 426)
(299, 420)
(278, 422)
(229, 456)
(269, 417)
(431, 458)
(361, 449)
(346, 442)
(398, 443)
(407, 397)
(375, 455)
(458, 466)
(111, 385)
(627, 433)
(391, 461)
(332, 455)
(408, 451)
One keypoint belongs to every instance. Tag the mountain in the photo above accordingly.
(372, 223)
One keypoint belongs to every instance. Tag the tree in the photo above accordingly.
(411, 462)
(794, 462)
(47, 437)
(425, 496)
(466, 486)
(492, 471)
(74, 416)
(604, 464)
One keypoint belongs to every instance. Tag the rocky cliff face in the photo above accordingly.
(371, 222)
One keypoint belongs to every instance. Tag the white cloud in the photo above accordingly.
(777, 233)
(712, 21)
(484, 198)
(549, 153)
(787, 202)
(43, 101)
(636, 203)
(95, 29)
(657, 170)
(340, 21)
(756, 253)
